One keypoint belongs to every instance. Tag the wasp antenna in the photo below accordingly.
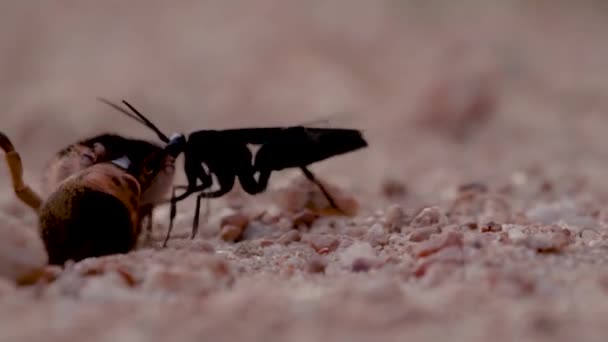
(148, 123)
(120, 109)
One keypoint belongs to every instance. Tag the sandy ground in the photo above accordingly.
(482, 195)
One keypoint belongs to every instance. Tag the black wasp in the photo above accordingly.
(226, 155)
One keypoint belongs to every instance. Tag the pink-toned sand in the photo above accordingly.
(482, 194)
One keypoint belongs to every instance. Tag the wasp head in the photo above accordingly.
(176, 145)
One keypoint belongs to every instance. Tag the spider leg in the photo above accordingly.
(23, 191)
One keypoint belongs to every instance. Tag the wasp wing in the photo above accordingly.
(301, 146)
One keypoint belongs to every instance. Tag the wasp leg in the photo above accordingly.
(196, 214)
(189, 191)
(226, 184)
(173, 211)
(206, 182)
(250, 185)
(13, 160)
(219, 193)
(174, 199)
(313, 179)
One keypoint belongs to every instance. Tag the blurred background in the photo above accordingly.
(447, 92)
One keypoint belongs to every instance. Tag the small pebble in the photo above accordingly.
(357, 250)
(362, 265)
(316, 265)
(547, 242)
(447, 239)
(423, 234)
(474, 187)
(284, 223)
(516, 235)
(377, 236)
(230, 233)
(395, 218)
(491, 227)
(429, 216)
(393, 189)
(323, 244)
(304, 217)
(266, 243)
(589, 235)
(238, 220)
(289, 237)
